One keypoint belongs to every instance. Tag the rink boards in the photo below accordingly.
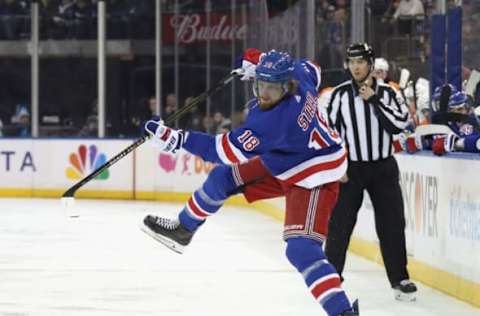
(442, 200)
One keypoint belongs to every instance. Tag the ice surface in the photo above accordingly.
(102, 264)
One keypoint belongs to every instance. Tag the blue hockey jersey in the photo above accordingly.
(469, 134)
(293, 138)
(463, 129)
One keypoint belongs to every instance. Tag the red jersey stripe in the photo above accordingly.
(316, 168)
(228, 151)
(165, 135)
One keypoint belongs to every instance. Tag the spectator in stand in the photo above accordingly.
(406, 14)
(48, 10)
(379, 7)
(409, 8)
(21, 122)
(238, 118)
(470, 31)
(152, 107)
(83, 12)
(170, 105)
(118, 19)
(90, 129)
(322, 10)
(207, 123)
(10, 17)
(193, 119)
(220, 123)
(146, 109)
(140, 18)
(225, 127)
(64, 18)
(332, 52)
(342, 4)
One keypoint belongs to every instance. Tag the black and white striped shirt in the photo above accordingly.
(367, 127)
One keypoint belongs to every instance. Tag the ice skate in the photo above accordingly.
(405, 291)
(169, 232)
(355, 311)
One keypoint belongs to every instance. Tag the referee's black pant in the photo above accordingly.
(381, 180)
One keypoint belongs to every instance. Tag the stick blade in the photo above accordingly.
(68, 207)
(432, 129)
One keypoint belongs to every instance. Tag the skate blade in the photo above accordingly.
(170, 244)
(405, 297)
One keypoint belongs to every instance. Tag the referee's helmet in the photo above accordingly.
(360, 50)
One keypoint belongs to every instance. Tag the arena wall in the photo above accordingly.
(441, 195)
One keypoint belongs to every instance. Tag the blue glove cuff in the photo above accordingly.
(149, 127)
(238, 62)
(472, 143)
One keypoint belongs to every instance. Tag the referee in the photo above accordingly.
(367, 113)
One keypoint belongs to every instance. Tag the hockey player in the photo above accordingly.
(464, 136)
(285, 148)
(380, 72)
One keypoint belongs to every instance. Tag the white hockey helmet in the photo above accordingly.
(381, 64)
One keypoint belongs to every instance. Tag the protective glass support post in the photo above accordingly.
(176, 58)
(311, 30)
(208, 9)
(358, 21)
(244, 11)
(101, 68)
(233, 55)
(298, 44)
(34, 51)
(158, 56)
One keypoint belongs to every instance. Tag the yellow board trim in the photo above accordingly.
(55, 193)
(440, 280)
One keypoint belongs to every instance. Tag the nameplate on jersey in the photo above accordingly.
(308, 112)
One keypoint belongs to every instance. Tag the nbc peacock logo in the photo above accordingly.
(84, 162)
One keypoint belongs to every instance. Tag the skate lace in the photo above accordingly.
(166, 223)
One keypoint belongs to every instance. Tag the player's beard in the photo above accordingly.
(267, 101)
(267, 104)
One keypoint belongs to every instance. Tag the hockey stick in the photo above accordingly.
(401, 143)
(432, 129)
(444, 97)
(68, 196)
(404, 76)
(472, 83)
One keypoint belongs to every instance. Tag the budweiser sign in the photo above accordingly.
(191, 28)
